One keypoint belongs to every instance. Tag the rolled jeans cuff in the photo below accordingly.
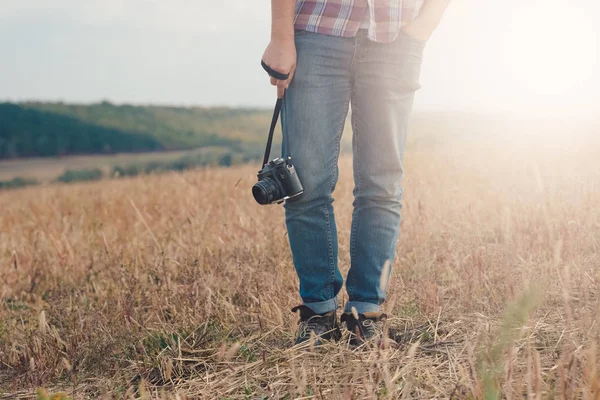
(323, 307)
(361, 307)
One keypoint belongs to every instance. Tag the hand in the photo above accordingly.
(422, 27)
(419, 29)
(280, 56)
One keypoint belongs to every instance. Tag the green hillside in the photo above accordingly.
(51, 129)
(28, 132)
(173, 127)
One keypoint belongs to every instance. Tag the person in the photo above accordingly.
(366, 53)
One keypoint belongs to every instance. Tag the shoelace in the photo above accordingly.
(309, 325)
(367, 323)
(371, 327)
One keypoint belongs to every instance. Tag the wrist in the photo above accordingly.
(282, 35)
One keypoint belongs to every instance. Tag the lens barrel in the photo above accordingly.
(266, 191)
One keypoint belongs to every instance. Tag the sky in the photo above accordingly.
(486, 54)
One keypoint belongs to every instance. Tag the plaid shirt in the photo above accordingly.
(343, 17)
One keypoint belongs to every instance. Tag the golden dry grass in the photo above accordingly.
(179, 286)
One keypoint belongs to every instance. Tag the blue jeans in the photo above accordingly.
(379, 80)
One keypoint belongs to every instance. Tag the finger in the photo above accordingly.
(280, 89)
(273, 81)
(287, 83)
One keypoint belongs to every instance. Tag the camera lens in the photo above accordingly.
(265, 191)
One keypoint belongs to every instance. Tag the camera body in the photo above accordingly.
(277, 181)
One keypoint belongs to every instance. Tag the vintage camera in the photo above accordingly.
(277, 181)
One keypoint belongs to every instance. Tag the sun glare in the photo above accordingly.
(550, 48)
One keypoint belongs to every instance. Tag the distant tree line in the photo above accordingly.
(28, 132)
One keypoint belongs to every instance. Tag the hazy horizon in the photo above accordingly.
(536, 55)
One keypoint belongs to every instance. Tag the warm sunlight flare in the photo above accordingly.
(551, 48)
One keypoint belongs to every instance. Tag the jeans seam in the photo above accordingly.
(334, 178)
(330, 246)
(351, 276)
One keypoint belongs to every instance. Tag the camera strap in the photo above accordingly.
(276, 113)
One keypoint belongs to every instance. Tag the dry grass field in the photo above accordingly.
(179, 286)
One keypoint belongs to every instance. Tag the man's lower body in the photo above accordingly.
(378, 80)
